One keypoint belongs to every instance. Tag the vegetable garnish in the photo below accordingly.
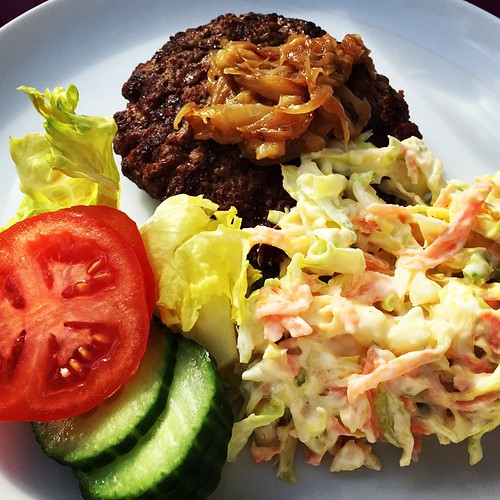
(72, 163)
(76, 288)
(77, 293)
(75, 320)
(128, 229)
(199, 258)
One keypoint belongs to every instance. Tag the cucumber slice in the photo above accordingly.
(183, 453)
(199, 476)
(113, 428)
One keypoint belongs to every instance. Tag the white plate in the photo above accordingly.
(445, 54)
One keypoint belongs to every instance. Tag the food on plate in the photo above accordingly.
(75, 318)
(80, 297)
(199, 255)
(72, 163)
(95, 438)
(382, 325)
(182, 454)
(165, 160)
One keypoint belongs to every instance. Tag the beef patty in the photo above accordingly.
(164, 161)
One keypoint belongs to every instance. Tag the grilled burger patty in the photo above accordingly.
(164, 161)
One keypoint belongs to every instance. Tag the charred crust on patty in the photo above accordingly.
(164, 162)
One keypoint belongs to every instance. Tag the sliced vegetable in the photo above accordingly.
(183, 453)
(128, 229)
(75, 320)
(112, 428)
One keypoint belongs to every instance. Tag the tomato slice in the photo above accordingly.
(128, 229)
(73, 312)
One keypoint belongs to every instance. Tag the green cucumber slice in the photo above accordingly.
(113, 428)
(183, 453)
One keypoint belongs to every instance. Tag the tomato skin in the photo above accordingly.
(128, 229)
(73, 312)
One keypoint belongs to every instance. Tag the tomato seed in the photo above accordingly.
(94, 266)
(101, 338)
(102, 276)
(85, 353)
(82, 286)
(76, 365)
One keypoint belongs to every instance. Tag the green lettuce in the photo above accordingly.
(71, 164)
(199, 257)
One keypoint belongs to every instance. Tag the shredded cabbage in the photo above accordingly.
(384, 322)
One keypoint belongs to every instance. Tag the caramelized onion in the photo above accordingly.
(279, 102)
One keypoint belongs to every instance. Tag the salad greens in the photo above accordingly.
(199, 257)
(383, 323)
(72, 163)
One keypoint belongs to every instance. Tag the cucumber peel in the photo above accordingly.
(163, 435)
(114, 427)
(182, 455)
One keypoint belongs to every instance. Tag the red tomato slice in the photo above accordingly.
(73, 312)
(128, 229)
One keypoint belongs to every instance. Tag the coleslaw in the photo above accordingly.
(384, 322)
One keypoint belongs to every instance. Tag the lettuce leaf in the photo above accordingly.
(199, 258)
(72, 163)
